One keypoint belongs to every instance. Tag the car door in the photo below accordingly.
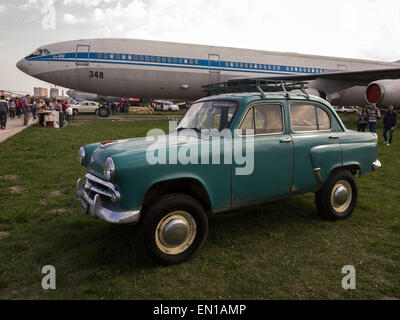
(92, 107)
(317, 147)
(273, 155)
(84, 107)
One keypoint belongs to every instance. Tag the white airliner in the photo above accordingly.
(165, 70)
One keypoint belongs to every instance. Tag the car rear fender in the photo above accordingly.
(325, 159)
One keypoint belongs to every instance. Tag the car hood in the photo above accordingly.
(136, 146)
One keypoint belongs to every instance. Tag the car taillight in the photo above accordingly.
(107, 142)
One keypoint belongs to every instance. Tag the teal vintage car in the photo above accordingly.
(298, 144)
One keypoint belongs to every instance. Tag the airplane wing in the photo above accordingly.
(357, 77)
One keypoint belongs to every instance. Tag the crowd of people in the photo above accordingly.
(122, 106)
(27, 107)
(369, 116)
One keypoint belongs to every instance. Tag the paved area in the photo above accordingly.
(13, 127)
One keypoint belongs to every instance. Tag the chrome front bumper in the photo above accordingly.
(376, 165)
(95, 208)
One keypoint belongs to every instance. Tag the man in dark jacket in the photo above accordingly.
(3, 113)
(26, 105)
(389, 123)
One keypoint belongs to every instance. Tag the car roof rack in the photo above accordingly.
(260, 84)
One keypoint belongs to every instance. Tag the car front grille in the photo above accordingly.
(94, 185)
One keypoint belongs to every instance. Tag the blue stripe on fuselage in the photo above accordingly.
(176, 62)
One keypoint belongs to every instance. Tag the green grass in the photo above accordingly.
(280, 250)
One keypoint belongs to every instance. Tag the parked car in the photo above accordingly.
(300, 146)
(346, 109)
(91, 107)
(166, 106)
(86, 107)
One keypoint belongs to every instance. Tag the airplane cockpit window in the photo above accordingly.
(39, 53)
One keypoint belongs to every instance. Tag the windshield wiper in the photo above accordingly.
(195, 129)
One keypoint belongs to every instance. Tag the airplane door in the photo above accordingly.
(214, 63)
(82, 55)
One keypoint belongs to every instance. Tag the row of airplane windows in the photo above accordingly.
(228, 64)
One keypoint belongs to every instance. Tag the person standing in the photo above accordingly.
(58, 107)
(374, 115)
(113, 108)
(362, 120)
(3, 112)
(389, 124)
(34, 109)
(26, 105)
(65, 110)
(19, 108)
(53, 104)
(120, 104)
(12, 106)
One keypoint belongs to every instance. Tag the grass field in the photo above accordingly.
(280, 250)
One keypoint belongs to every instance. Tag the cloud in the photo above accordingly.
(2, 8)
(88, 3)
(358, 28)
(36, 5)
(120, 18)
(71, 19)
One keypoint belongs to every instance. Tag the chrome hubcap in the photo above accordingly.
(341, 196)
(176, 232)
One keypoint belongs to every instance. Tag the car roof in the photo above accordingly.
(254, 96)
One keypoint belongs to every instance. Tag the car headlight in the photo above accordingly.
(109, 169)
(81, 156)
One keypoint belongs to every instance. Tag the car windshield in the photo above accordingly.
(209, 115)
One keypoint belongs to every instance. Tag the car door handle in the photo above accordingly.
(286, 140)
(334, 136)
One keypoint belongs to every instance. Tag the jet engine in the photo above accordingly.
(384, 93)
(354, 96)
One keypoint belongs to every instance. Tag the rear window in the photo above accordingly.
(308, 117)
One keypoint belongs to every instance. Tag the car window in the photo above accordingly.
(308, 117)
(248, 122)
(268, 119)
(263, 119)
(324, 122)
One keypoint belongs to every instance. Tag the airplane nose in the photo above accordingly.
(21, 65)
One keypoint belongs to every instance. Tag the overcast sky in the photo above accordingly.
(365, 29)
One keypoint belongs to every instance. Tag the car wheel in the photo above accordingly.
(103, 112)
(338, 197)
(172, 230)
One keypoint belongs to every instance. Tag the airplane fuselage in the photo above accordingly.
(164, 70)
